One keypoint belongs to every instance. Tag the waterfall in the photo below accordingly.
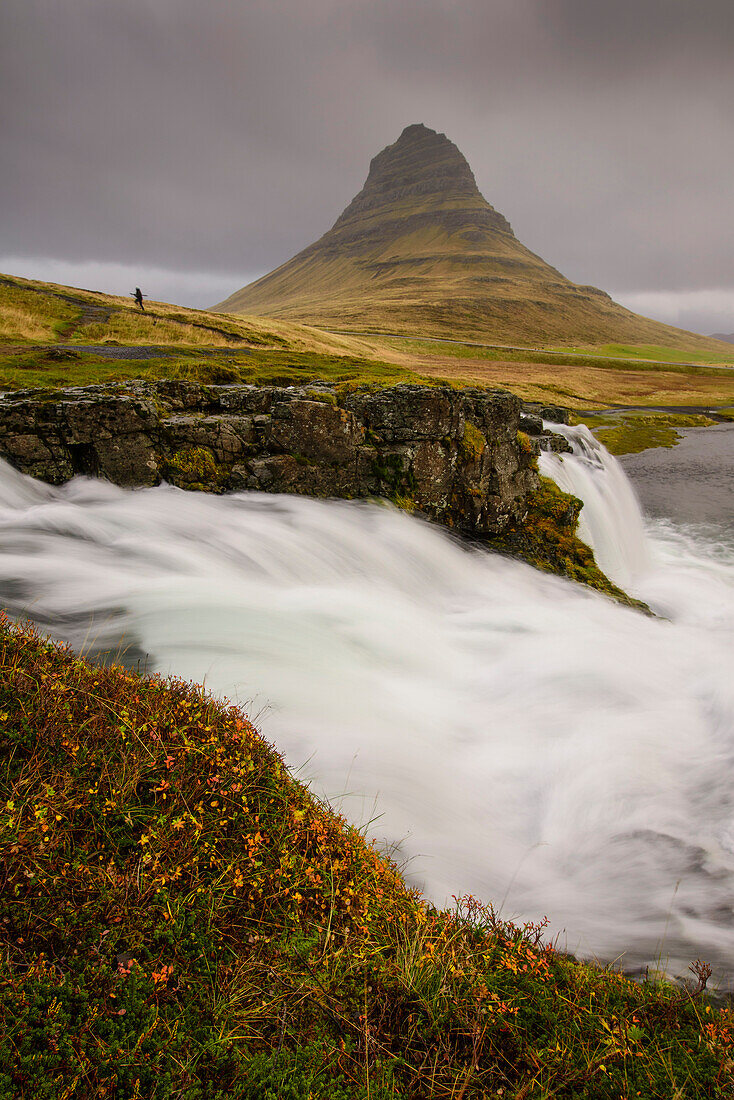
(507, 733)
(611, 520)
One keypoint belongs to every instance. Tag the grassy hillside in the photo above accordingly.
(429, 281)
(60, 336)
(181, 918)
(54, 335)
(34, 312)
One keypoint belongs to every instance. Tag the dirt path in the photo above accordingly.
(120, 351)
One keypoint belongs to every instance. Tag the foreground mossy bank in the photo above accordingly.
(181, 918)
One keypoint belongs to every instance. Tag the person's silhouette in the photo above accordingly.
(138, 296)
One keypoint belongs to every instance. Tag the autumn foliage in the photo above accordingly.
(181, 918)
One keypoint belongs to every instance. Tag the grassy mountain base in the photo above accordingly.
(181, 919)
(577, 380)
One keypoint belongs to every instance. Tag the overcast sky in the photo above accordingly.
(188, 146)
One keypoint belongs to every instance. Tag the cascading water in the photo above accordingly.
(511, 734)
(611, 521)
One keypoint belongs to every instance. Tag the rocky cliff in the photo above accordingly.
(456, 456)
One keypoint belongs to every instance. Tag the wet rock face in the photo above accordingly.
(453, 455)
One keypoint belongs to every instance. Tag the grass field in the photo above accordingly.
(633, 431)
(26, 315)
(655, 352)
(578, 381)
(47, 330)
(24, 368)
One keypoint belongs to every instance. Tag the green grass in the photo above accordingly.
(661, 352)
(630, 432)
(602, 357)
(27, 317)
(181, 919)
(43, 367)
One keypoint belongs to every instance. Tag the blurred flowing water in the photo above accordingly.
(507, 733)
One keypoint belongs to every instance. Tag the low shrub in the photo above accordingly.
(180, 918)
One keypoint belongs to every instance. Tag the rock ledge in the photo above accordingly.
(456, 456)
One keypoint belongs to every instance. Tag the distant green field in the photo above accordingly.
(653, 352)
(604, 357)
(577, 380)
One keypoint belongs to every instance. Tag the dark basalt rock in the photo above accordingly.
(420, 164)
(555, 413)
(453, 455)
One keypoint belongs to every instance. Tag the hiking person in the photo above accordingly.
(138, 296)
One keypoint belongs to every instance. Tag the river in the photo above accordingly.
(503, 732)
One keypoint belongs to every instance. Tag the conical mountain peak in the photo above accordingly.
(422, 167)
(420, 251)
(421, 160)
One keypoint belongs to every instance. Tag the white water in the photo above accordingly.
(514, 735)
(610, 521)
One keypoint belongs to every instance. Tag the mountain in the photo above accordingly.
(727, 337)
(419, 250)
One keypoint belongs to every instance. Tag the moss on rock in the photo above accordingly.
(196, 468)
(525, 443)
(547, 539)
(473, 442)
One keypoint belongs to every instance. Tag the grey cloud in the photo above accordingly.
(223, 137)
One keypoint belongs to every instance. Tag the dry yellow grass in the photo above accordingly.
(33, 311)
(27, 316)
(581, 386)
(153, 327)
(307, 338)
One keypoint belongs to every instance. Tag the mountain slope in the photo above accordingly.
(419, 250)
